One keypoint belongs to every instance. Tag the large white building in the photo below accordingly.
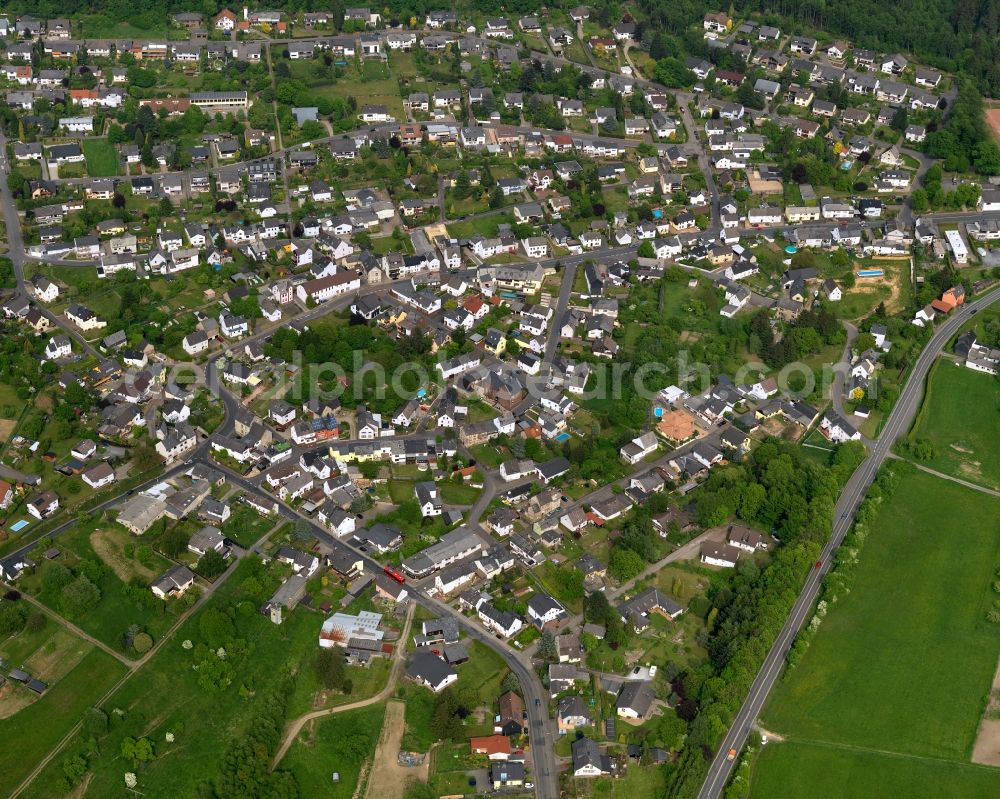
(957, 246)
(341, 628)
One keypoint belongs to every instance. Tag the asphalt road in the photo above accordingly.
(850, 498)
(535, 696)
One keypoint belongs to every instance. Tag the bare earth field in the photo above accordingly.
(388, 777)
(987, 747)
(993, 120)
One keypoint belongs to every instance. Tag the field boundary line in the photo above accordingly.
(884, 752)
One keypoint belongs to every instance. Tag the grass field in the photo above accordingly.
(366, 681)
(31, 733)
(113, 614)
(401, 490)
(341, 743)
(803, 769)
(102, 159)
(961, 418)
(167, 696)
(901, 666)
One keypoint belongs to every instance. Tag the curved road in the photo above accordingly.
(854, 491)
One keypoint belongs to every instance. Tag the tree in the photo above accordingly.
(624, 564)
(211, 564)
(80, 596)
(864, 342)
(96, 722)
(510, 682)
(329, 667)
(597, 608)
(12, 617)
(146, 458)
(216, 627)
(74, 767)
(445, 723)
(130, 749)
(174, 542)
(646, 250)
(921, 448)
(142, 643)
(547, 646)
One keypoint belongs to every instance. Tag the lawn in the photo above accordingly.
(102, 159)
(372, 83)
(804, 769)
(858, 304)
(245, 526)
(960, 418)
(549, 576)
(401, 490)
(417, 736)
(639, 781)
(341, 744)
(459, 493)
(483, 672)
(903, 662)
(480, 226)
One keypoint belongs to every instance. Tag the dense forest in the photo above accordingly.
(954, 35)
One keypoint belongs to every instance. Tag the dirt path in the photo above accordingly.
(68, 625)
(388, 777)
(133, 666)
(397, 663)
(771, 736)
(986, 750)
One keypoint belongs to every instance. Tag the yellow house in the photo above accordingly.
(495, 342)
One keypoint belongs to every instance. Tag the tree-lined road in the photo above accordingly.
(850, 498)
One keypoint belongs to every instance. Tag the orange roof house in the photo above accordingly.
(472, 304)
(496, 747)
(950, 300)
(677, 425)
(954, 296)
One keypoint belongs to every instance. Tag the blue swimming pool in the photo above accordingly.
(19, 525)
(562, 437)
